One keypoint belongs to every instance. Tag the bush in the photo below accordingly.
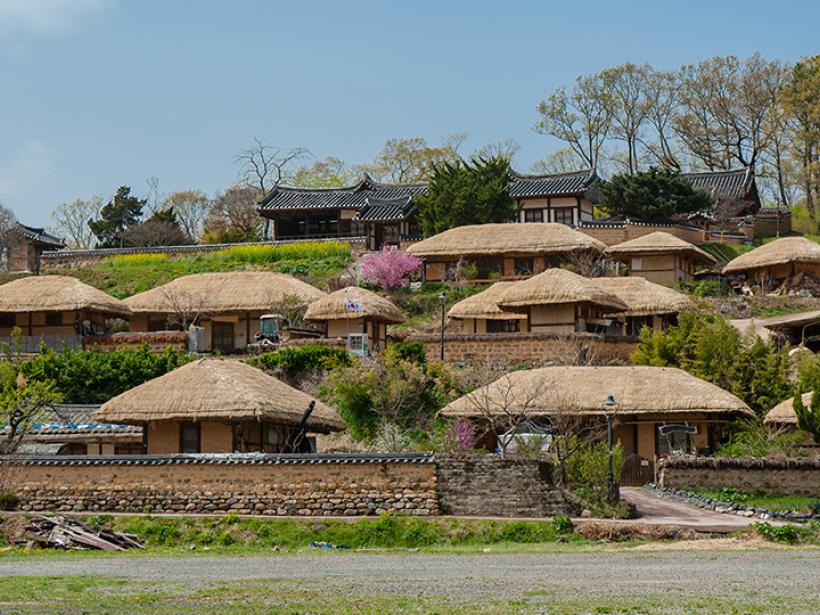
(8, 501)
(406, 351)
(787, 533)
(710, 288)
(752, 439)
(562, 524)
(297, 361)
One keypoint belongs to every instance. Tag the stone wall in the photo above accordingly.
(484, 486)
(157, 341)
(774, 476)
(512, 349)
(244, 484)
(612, 233)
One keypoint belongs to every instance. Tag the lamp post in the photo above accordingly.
(441, 299)
(609, 406)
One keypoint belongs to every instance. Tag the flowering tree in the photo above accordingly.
(389, 268)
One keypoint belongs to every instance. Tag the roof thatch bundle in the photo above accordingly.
(783, 413)
(644, 298)
(58, 293)
(220, 293)
(582, 390)
(523, 239)
(213, 389)
(558, 286)
(484, 305)
(660, 242)
(778, 252)
(353, 303)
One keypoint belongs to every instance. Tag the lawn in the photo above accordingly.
(764, 500)
(125, 275)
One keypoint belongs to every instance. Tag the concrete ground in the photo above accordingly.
(652, 508)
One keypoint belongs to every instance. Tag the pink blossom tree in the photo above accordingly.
(389, 268)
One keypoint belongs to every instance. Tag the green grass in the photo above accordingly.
(423, 306)
(765, 500)
(725, 252)
(94, 594)
(125, 275)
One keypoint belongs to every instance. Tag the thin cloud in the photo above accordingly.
(47, 16)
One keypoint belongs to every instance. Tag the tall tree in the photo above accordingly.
(582, 118)
(412, 159)
(561, 160)
(628, 106)
(467, 193)
(70, 221)
(190, 208)
(121, 212)
(233, 217)
(654, 194)
(662, 89)
(160, 229)
(264, 167)
(328, 173)
(506, 149)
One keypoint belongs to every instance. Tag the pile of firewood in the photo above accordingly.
(66, 533)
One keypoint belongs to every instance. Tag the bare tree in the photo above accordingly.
(153, 193)
(190, 208)
(70, 221)
(628, 106)
(10, 232)
(233, 217)
(264, 167)
(586, 263)
(413, 159)
(571, 431)
(562, 160)
(506, 149)
(185, 308)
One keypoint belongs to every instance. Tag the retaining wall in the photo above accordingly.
(775, 476)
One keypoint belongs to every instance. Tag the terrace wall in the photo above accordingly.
(779, 477)
(289, 485)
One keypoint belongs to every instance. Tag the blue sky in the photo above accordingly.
(99, 93)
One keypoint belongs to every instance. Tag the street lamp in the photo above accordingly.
(441, 299)
(609, 406)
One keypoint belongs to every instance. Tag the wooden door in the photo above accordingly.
(222, 336)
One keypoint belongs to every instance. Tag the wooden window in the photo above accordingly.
(533, 215)
(563, 215)
(524, 265)
(8, 321)
(189, 437)
(502, 326)
(54, 319)
(636, 264)
(129, 448)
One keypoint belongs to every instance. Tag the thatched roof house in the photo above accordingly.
(779, 259)
(661, 257)
(646, 398)
(783, 414)
(505, 250)
(227, 305)
(217, 405)
(55, 305)
(648, 305)
(355, 310)
(480, 313)
(560, 301)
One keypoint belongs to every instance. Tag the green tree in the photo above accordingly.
(808, 419)
(328, 173)
(654, 194)
(463, 193)
(707, 346)
(120, 213)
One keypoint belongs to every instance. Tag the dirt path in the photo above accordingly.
(655, 509)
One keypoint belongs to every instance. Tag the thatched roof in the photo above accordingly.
(643, 297)
(582, 390)
(484, 305)
(353, 303)
(783, 413)
(57, 293)
(523, 239)
(219, 293)
(213, 389)
(558, 286)
(660, 242)
(777, 252)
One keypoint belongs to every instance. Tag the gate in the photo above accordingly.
(637, 471)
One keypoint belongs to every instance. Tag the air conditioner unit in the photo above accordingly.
(357, 343)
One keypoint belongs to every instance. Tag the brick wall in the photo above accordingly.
(489, 487)
(620, 232)
(512, 349)
(221, 484)
(774, 476)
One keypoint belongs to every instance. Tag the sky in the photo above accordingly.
(95, 94)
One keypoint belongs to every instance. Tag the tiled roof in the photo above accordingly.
(352, 197)
(40, 236)
(555, 184)
(386, 210)
(74, 420)
(230, 459)
(728, 184)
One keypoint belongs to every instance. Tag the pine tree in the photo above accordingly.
(120, 213)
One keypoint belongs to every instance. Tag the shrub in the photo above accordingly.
(562, 524)
(8, 501)
(406, 351)
(297, 361)
(752, 439)
(390, 268)
(733, 495)
(787, 533)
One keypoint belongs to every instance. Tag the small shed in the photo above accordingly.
(480, 313)
(355, 310)
(227, 305)
(503, 251)
(783, 414)
(661, 257)
(56, 309)
(559, 301)
(215, 405)
(776, 261)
